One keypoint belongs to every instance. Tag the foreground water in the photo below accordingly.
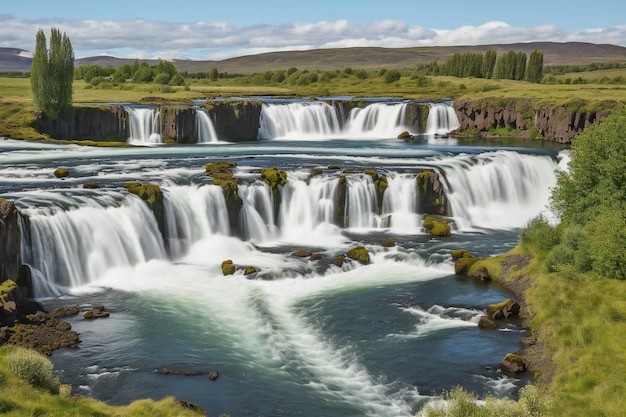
(303, 337)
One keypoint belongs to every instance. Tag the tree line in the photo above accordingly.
(509, 66)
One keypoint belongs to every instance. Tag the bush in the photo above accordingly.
(34, 368)
(539, 234)
(162, 78)
(560, 256)
(392, 76)
(7, 406)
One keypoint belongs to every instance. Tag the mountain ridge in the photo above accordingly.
(13, 59)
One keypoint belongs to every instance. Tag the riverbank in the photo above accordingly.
(576, 324)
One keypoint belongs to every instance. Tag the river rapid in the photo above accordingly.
(299, 337)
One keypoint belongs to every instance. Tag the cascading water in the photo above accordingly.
(76, 246)
(145, 126)
(319, 120)
(205, 128)
(301, 336)
(498, 189)
(442, 119)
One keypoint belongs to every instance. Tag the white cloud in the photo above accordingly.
(219, 40)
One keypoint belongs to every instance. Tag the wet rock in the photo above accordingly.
(193, 407)
(96, 313)
(405, 136)
(167, 371)
(316, 171)
(61, 173)
(219, 167)
(432, 198)
(334, 167)
(503, 310)
(481, 274)
(228, 268)
(436, 227)
(315, 257)
(91, 185)
(463, 261)
(359, 254)
(389, 242)
(9, 240)
(302, 253)
(487, 323)
(250, 270)
(274, 177)
(338, 260)
(513, 364)
(213, 375)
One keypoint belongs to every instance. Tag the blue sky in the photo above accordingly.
(220, 29)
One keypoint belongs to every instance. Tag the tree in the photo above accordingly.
(489, 63)
(213, 75)
(592, 194)
(52, 73)
(534, 71)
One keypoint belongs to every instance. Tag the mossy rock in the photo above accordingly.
(7, 287)
(228, 268)
(513, 364)
(316, 171)
(151, 194)
(334, 167)
(274, 177)
(462, 265)
(359, 254)
(338, 260)
(505, 309)
(436, 227)
(389, 242)
(61, 173)
(250, 270)
(302, 253)
(315, 257)
(461, 253)
(372, 173)
(405, 135)
(219, 166)
(91, 185)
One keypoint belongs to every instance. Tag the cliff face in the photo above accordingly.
(235, 120)
(528, 117)
(93, 123)
(9, 241)
(179, 124)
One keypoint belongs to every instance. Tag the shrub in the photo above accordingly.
(162, 78)
(34, 368)
(7, 406)
(392, 76)
(560, 256)
(539, 234)
(177, 80)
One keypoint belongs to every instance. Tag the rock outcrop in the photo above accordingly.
(179, 124)
(92, 123)
(529, 117)
(235, 120)
(152, 195)
(9, 241)
(432, 197)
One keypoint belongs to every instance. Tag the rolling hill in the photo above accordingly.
(12, 59)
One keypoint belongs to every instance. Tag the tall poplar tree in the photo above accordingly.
(534, 71)
(52, 73)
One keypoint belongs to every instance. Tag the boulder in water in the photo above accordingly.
(436, 227)
(315, 257)
(91, 185)
(512, 364)
(338, 260)
(61, 172)
(316, 171)
(302, 253)
(481, 274)
(359, 254)
(486, 323)
(405, 135)
(219, 167)
(228, 268)
(274, 177)
(389, 242)
(250, 270)
(98, 312)
(504, 310)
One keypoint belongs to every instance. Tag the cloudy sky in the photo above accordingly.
(221, 29)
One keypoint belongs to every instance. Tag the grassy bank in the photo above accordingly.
(35, 393)
(579, 322)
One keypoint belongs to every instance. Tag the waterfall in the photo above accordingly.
(145, 126)
(399, 209)
(442, 119)
(499, 189)
(257, 214)
(204, 127)
(193, 213)
(72, 240)
(361, 202)
(307, 210)
(319, 120)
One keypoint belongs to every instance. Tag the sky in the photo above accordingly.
(215, 30)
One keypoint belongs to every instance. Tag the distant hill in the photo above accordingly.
(367, 57)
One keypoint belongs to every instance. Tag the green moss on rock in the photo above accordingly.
(274, 177)
(359, 254)
(61, 173)
(219, 167)
(436, 227)
(228, 268)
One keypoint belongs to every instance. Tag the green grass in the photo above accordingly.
(19, 398)
(580, 320)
